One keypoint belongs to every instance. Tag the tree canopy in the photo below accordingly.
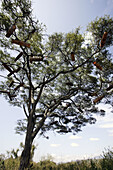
(56, 80)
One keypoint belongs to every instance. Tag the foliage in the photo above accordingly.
(55, 82)
(107, 161)
(12, 164)
(2, 158)
(99, 26)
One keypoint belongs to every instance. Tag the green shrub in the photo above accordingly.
(12, 164)
(46, 165)
(107, 160)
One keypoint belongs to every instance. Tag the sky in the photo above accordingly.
(63, 16)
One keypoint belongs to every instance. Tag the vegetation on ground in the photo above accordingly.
(104, 162)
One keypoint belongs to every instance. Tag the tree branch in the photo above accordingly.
(25, 111)
(49, 110)
(40, 124)
(62, 98)
(38, 97)
(71, 70)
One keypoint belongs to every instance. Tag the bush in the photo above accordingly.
(107, 160)
(12, 164)
(46, 165)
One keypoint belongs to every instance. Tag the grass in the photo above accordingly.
(105, 162)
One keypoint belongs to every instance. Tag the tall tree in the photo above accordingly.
(55, 82)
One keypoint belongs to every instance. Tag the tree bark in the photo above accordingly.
(25, 156)
(26, 153)
(30, 135)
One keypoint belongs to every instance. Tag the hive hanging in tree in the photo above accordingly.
(10, 31)
(98, 99)
(21, 43)
(7, 67)
(103, 40)
(14, 71)
(36, 59)
(72, 56)
(97, 65)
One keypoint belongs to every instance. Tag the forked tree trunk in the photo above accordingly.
(26, 153)
(30, 135)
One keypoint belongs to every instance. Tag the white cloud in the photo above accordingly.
(74, 145)
(109, 125)
(55, 145)
(75, 137)
(94, 139)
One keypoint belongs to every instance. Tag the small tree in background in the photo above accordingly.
(56, 82)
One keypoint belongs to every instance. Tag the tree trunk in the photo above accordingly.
(30, 135)
(25, 156)
(26, 153)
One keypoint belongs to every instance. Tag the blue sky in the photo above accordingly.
(63, 16)
(66, 15)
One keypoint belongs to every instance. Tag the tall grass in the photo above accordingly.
(104, 162)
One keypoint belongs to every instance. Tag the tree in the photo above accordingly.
(55, 82)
